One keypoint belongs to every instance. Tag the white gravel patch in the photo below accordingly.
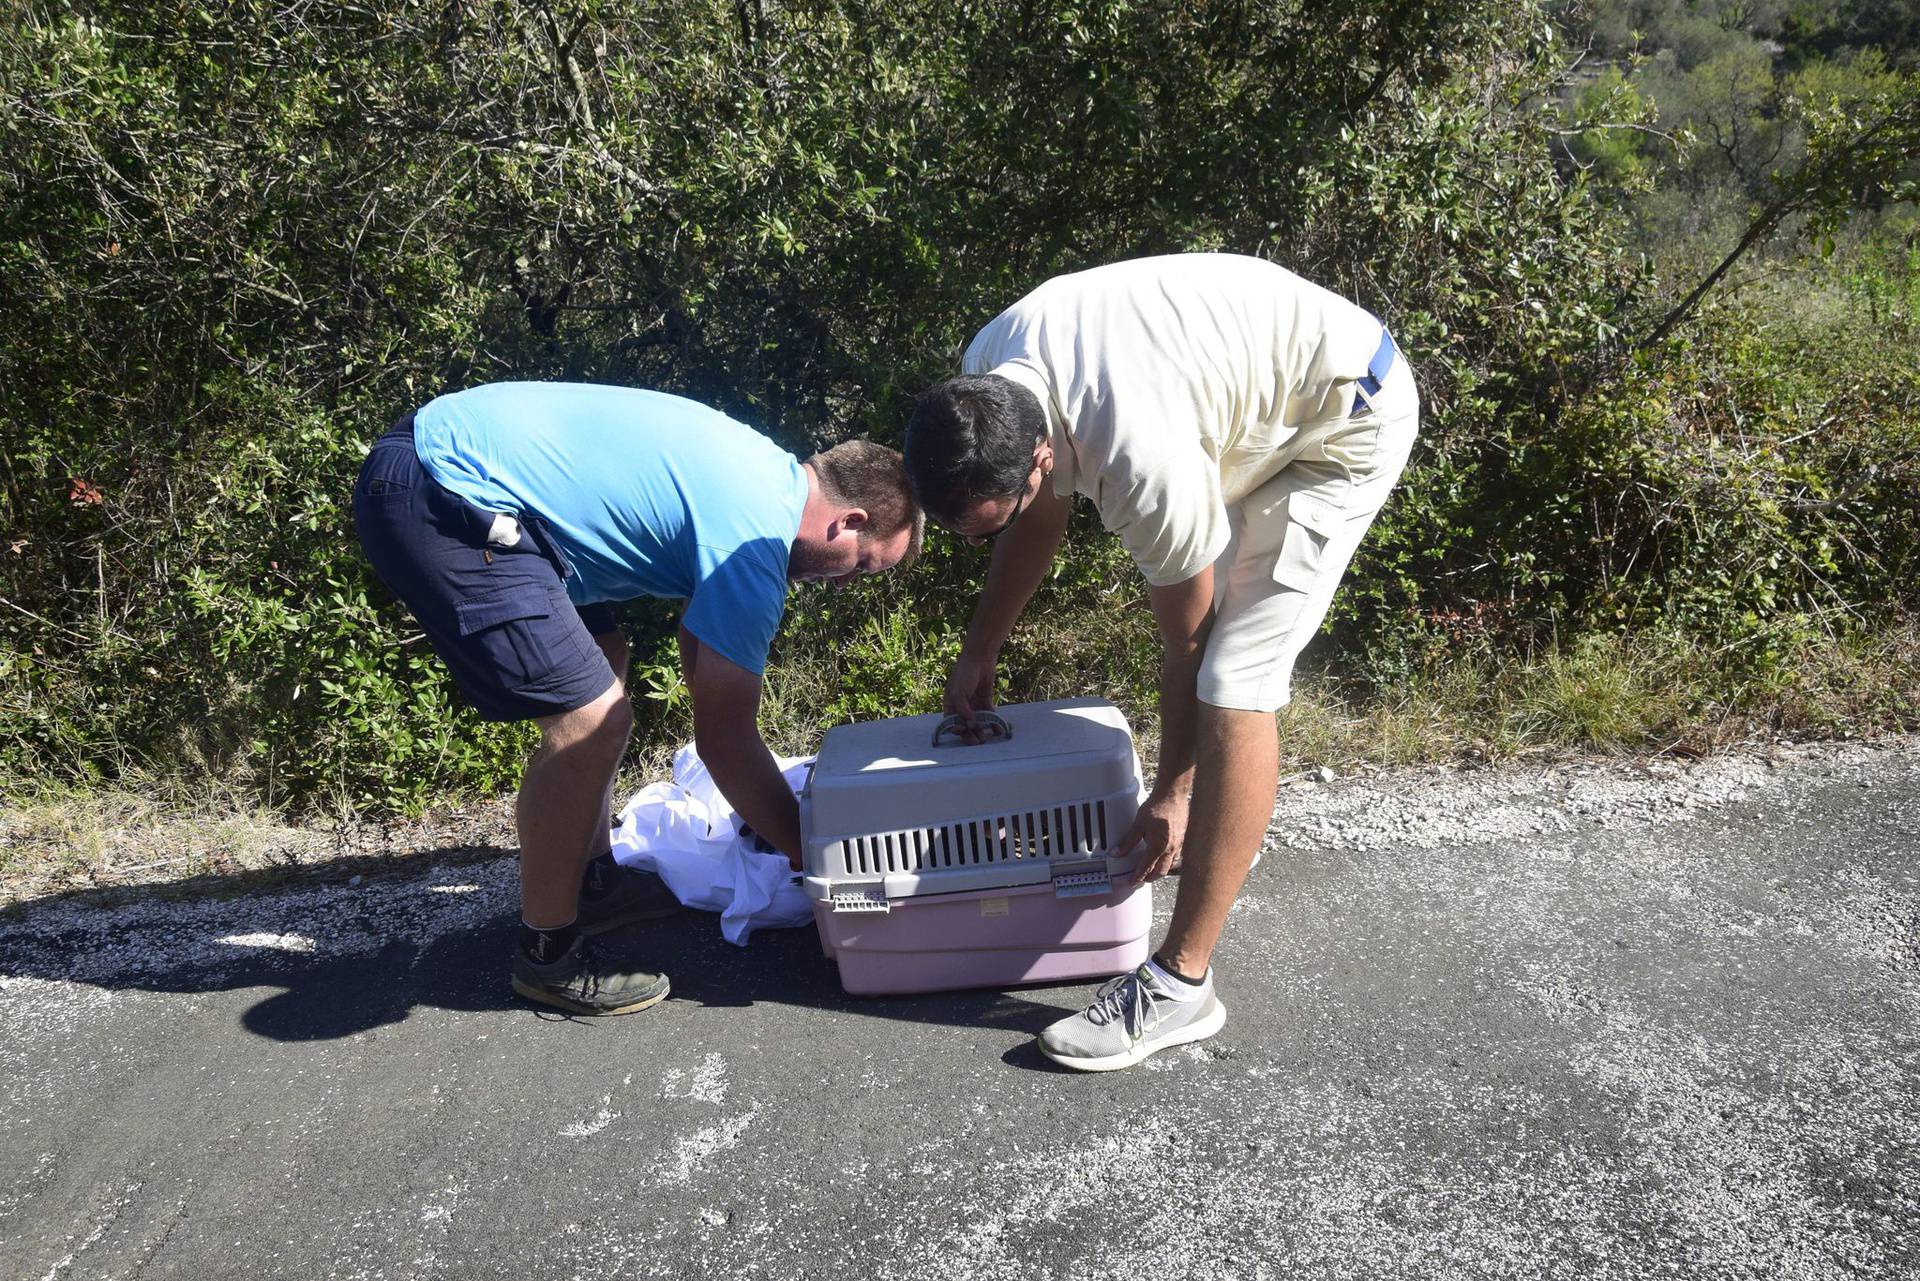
(704, 1084)
(695, 1150)
(1447, 806)
(124, 944)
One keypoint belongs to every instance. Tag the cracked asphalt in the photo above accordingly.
(1595, 1020)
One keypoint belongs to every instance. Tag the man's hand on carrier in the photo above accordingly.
(1160, 830)
(970, 690)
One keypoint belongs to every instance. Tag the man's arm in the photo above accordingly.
(726, 734)
(1183, 612)
(1021, 557)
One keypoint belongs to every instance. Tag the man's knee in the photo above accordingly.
(614, 645)
(601, 726)
(1233, 738)
(1232, 721)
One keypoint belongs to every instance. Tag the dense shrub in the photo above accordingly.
(240, 239)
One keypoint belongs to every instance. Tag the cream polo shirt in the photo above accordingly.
(1173, 386)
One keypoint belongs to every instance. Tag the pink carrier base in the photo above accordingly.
(987, 938)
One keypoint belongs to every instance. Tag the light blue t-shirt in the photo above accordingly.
(646, 494)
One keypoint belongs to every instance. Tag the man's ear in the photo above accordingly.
(854, 518)
(1043, 457)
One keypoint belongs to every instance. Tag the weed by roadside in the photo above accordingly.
(1649, 694)
(1652, 693)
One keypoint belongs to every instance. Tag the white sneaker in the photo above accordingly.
(1131, 1017)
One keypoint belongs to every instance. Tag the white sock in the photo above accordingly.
(1175, 986)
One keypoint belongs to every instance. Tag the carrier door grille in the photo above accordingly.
(1071, 831)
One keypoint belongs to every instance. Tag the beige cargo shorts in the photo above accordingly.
(1292, 540)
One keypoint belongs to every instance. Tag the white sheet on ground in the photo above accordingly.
(685, 831)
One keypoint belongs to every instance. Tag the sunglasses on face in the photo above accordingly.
(1007, 524)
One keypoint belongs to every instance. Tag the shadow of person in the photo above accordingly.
(787, 967)
(1027, 1056)
(344, 997)
(339, 959)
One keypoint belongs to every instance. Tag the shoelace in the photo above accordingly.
(1126, 998)
(589, 969)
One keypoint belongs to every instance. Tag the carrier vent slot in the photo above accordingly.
(1073, 831)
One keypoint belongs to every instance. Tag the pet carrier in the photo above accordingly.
(935, 864)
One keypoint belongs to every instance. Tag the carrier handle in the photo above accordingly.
(992, 724)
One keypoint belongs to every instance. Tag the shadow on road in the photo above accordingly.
(342, 960)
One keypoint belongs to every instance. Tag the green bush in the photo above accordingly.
(239, 242)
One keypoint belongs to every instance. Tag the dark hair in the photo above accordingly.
(971, 438)
(859, 473)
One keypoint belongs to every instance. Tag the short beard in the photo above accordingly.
(805, 559)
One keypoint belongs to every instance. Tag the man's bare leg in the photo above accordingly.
(1236, 768)
(561, 812)
(1236, 764)
(614, 646)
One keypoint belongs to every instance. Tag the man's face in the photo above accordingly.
(990, 516)
(845, 554)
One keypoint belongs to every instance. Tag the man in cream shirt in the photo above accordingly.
(1238, 428)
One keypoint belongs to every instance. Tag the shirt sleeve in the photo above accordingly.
(737, 603)
(1167, 511)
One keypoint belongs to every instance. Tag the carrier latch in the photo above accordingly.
(1081, 877)
(861, 899)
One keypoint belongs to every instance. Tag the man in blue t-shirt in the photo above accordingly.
(507, 516)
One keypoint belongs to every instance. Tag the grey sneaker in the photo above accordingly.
(1130, 1018)
(626, 895)
(584, 981)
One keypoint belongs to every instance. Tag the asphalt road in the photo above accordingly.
(1598, 1021)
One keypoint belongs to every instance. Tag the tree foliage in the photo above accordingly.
(240, 239)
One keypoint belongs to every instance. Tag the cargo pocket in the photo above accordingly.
(504, 629)
(1312, 523)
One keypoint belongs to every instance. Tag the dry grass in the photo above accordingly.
(1605, 695)
(1611, 694)
(154, 830)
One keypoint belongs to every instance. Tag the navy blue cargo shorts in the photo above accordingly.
(498, 616)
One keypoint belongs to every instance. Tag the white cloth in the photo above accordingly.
(1176, 386)
(686, 832)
